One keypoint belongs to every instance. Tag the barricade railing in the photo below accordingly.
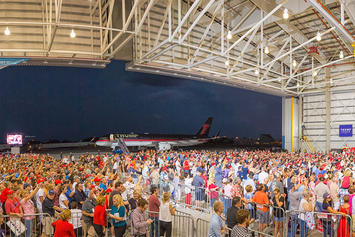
(181, 224)
(326, 223)
(29, 224)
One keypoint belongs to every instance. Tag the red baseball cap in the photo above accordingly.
(97, 179)
(40, 180)
(108, 190)
(58, 181)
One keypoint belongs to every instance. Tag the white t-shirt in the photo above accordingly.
(128, 193)
(188, 183)
(164, 212)
(39, 194)
(62, 198)
(227, 191)
(263, 176)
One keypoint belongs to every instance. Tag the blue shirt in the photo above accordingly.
(103, 186)
(216, 225)
(67, 194)
(121, 212)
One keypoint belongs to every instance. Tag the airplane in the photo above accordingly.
(159, 141)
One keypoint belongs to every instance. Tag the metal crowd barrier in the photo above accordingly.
(321, 222)
(15, 226)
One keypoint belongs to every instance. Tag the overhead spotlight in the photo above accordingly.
(72, 34)
(341, 54)
(298, 84)
(256, 71)
(229, 35)
(319, 37)
(7, 31)
(314, 73)
(294, 63)
(70, 62)
(267, 50)
(285, 15)
(226, 63)
(45, 62)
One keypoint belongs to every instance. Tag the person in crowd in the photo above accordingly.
(294, 198)
(133, 200)
(88, 214)
(278, 202)
(344, 225)
(100, 217)
(63, 200)
(320, 190)
(79, 195)
(118, 216)
(328, 228)
(213, 191)
(307, 205)
(232, 212)
(227, 194)
(76, 214)
(166, 211)
(262, 201)
(241, 228)
(198, 184)
(187, 186)
(28, 207)
(139, 222)
(49, 209)
(62, 227)
(154, 205)
(119, 189)
(248, 198)
(216, 228)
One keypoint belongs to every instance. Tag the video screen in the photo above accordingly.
(14, 139)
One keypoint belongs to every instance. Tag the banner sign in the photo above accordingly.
(11, 61)
(346, 130)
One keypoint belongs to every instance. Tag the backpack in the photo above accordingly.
(346, 182)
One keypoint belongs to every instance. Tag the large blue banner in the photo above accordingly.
(346, 130)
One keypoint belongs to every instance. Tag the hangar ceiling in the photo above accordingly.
(270, 46)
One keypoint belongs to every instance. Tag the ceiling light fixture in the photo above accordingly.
(72, 34)
(256, 71)
(319, 37)
(285, 15)
(226, 63)
(7, 31)
(229, 35)
(341, 54)
(267, 50)
(314, 73)
(294, 63)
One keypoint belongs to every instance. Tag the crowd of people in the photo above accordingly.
(97, 194)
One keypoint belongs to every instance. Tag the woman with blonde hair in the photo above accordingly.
(62, 227)
(100, 218)
(118, 216)
(166, 211)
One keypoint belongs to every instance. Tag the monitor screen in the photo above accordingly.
(14, 139)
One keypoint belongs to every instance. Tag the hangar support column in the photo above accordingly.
(327, 109)
(290, 123)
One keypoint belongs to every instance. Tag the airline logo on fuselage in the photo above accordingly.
(126, 135)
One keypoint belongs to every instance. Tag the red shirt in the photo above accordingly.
(63, 229)
(100, 217)
(154, 205)
(12, 206)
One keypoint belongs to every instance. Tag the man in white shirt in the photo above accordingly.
(263, 176)
(320, 190)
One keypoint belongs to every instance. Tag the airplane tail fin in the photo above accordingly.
(205, 129)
